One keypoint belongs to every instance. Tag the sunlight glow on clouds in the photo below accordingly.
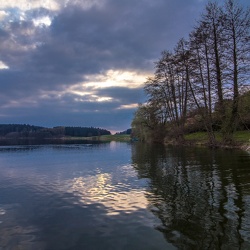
(116, 78)
(53, 5)
(3, 65)
(87, 91)
(42, 21)
(3, 15)
(128, 106)
(93, 98)
(80, 96)
(29, 4)
(103, 99)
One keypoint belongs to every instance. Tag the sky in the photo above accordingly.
(84, 62)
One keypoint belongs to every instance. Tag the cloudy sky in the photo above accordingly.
(84, 62)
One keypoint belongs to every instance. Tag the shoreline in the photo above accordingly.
(5, 141)
(245, 146)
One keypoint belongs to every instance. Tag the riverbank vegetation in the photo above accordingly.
(203, 84)
(116, 137)
(241, 139)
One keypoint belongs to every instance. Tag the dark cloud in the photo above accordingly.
(122, 34)
(3, 35)
(124, 95)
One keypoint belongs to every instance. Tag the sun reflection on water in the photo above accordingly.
(112, 190)
(117, 197)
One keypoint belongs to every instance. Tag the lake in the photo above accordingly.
(123, 196)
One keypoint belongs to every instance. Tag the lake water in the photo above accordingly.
(123, 196)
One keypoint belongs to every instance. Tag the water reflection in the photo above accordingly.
(201, 196)
(82, 197)
(116, 197)
(49, 141)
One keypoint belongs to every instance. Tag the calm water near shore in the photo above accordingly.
(123, 196)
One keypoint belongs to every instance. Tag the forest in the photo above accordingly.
(203, 83)
(30, 131)
(85, 131)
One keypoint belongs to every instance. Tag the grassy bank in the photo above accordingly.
(121, 138)
(201, 138)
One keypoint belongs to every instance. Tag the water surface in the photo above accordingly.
(123, 196)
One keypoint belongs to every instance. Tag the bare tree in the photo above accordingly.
(168, 90)
(213, 21)
(236, 29)
(203, 83)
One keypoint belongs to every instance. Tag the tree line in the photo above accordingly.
(85, 131)
(125, 132)
(6, 129)
(204, 77)
(25, 130)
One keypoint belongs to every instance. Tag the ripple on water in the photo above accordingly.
(14, 233)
